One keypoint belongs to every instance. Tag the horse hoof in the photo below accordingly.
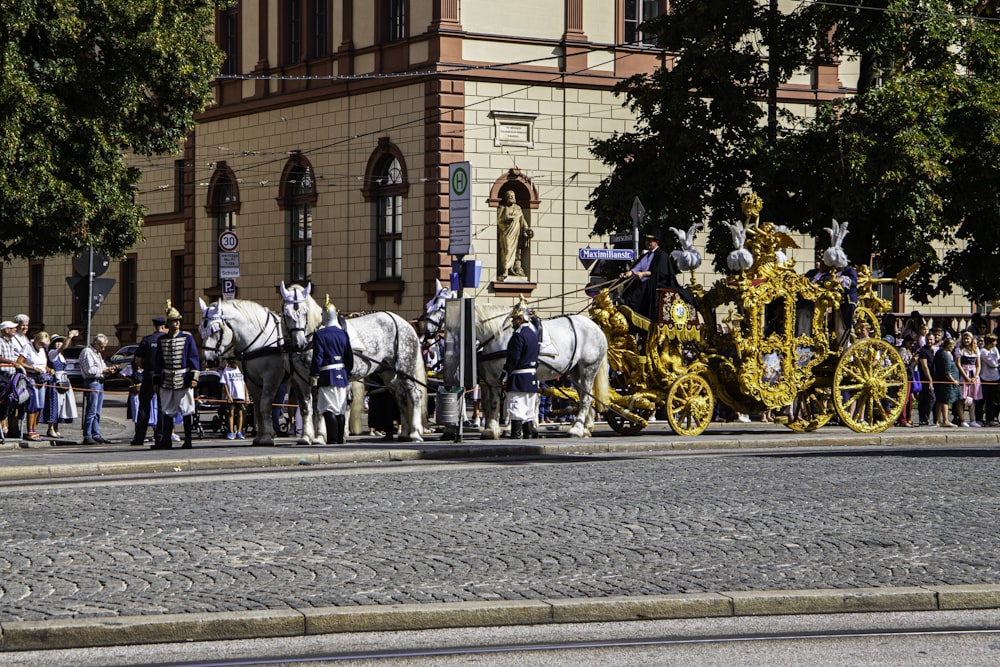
(303, 441)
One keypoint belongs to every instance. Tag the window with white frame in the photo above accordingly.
(387, 193)
(298, 194)
(636, 12)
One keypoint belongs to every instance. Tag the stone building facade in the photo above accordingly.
(327, 151)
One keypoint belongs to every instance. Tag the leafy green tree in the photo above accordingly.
(910, 161)
(84, 82)
(700, 134)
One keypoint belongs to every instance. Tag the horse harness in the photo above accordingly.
(500, 354)
(246, 354)
(342, 321)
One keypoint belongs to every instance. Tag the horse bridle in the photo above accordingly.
(297, 315)
(216, 326)
(217, 322)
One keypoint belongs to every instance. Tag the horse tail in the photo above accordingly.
(420, 373)
(602, 384)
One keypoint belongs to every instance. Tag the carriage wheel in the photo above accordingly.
(869, 386)
(690, 405)
(623, 425)
(811, 410)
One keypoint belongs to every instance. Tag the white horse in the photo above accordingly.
(252, 334)
(383, 343)
(573, 347)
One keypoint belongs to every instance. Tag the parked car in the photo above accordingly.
(72, 355)
(122, 358)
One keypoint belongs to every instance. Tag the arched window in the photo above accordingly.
(389, 220)
(297, 197)
(385, 187)
(223, 206)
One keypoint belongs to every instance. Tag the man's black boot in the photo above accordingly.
(188, 427)
(530, 431)
(339, 422)
(331, 428)
(515, 429)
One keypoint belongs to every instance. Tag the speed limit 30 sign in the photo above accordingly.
(228, 241)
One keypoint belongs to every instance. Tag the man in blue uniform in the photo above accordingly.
(332, 363)
(145, 359)
(175, 375)
(519, 375)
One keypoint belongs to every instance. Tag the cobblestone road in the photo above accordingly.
(473, 532)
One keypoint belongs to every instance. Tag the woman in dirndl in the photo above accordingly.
(36, 364)
(60, 405)
(967, 359)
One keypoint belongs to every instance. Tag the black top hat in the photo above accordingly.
(653, 235)
(159, 321)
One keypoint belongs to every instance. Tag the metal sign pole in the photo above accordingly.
(90, 290)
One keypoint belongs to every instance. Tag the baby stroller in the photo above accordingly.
(209, 407)
(13, 394)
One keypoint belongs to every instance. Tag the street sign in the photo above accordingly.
(228, 241)
(102, 287)
(624, 237)
(638, 214)
(460, 209)
(81, 262)
(228, 288)
(613, 254)
(229, 265)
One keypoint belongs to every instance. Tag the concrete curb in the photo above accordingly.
(115, 631)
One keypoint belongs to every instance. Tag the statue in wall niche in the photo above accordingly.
(513, 236)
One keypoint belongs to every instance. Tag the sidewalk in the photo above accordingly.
(51, 459)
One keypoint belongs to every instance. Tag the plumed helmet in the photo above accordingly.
(520, 310)
(331, 318)
(171, 313)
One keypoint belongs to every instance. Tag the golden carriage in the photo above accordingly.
(766, 338)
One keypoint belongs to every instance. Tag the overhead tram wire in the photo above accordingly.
(281, 156)
(441, 113)
(908, 12)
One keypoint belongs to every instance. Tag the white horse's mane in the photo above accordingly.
(250, 310)
(491, 319)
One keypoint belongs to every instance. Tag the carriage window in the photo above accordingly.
(804, 312)
(774, 317)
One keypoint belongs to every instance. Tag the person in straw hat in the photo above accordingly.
(175, 374)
